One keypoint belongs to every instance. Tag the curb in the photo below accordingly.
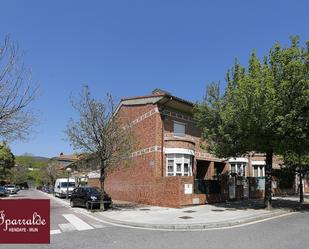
(181, 227)
(63, 202)
(193, 227)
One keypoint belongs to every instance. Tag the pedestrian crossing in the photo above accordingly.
(75, 224)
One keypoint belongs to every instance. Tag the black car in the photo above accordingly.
(89, 197)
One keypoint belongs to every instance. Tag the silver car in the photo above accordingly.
(10, 188)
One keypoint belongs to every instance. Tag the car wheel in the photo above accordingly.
(72, 203)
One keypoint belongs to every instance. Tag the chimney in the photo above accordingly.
(159, 91)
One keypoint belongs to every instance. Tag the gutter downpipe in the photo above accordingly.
(161, 109)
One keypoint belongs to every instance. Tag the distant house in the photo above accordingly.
(62, 161)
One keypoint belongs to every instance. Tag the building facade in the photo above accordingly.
(169, 166)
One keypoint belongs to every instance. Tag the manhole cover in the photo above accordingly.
(185, 217)
(217, 210)
(189, 211)
(144, 209)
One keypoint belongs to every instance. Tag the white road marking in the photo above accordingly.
(67, 227)
(97, 225)
(79, 224)
(56, 231)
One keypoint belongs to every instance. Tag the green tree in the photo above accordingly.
(264, 108)
(7, 161)
(299, 164)
(28, 168)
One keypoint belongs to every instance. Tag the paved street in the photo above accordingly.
(75, 230)
(63, 219)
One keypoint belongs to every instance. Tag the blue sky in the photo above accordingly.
(128, 48)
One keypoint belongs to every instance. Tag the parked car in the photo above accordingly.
(107, 200)
(23, 185)
(62, 185)
(3, 191)
(10, 188)
(18, 188)
(47, 189)
(89, 197)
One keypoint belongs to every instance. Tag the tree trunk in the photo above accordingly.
(268, 179)
(301, 192)
(102, 178)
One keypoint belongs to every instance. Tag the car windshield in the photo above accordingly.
(10, 186)
(65, 184)
(91, 191)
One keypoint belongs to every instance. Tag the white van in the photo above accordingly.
(61, 186)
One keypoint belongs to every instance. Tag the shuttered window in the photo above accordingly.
(179, 129)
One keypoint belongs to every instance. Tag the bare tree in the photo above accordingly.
(99, 132)
(16, 93)
(51, 172)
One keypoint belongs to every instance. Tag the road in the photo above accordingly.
(281, 233)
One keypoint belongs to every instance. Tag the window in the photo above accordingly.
(239, 168)
(178, 169)
(186, 169)
(258, 171)
(179, 129)
(255, 171)
(65, 184)
(233, 168)
(179, 165)
(170, 167)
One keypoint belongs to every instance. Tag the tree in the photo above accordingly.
(27, 168)
(299, 164)
(7, 161)
(264, 108)
(50, 171)
(19, 173)
(16, 94)
(99, 132)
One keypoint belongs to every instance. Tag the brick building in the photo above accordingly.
(170, 168)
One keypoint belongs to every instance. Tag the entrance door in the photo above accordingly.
(246, 188)
(232, 188)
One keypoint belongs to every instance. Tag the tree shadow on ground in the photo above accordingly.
(125, 206)
(278, 203)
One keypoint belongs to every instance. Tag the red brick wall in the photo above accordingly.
(142, 179)
(146, 133)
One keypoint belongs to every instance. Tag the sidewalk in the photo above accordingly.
(201, 217)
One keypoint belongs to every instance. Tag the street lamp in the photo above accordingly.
(68, 170)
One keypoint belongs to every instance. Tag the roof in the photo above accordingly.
(160, 97)
(63, 157)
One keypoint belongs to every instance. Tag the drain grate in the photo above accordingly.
(189, 211)
(185, 217)
(144, 209)
(217, 210)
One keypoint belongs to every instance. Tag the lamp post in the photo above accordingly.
(68, 170)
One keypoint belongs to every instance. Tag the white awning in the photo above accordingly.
(93, 174)
(179, 151)
(258, 163)
(238, 160)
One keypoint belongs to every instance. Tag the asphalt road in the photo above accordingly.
(282, 233)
